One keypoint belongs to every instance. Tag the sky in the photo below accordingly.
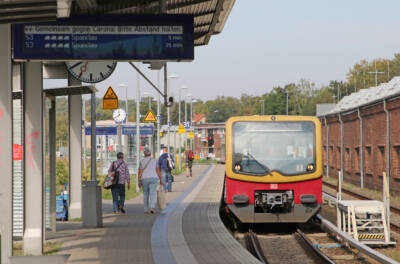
(269, 43)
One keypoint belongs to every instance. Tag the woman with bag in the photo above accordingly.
(149, 174)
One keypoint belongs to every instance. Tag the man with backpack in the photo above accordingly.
(189, 161)
(120, 169)
(166, 164)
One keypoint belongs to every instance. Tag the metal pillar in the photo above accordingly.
(137, 128)
(34, 180)
(91, 193)
(388, 163)
(180, 135)
(361, 149)
(5, 144)
(52, 152)
(158, 118)
(75, 154)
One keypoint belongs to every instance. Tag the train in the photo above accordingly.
(273, 169)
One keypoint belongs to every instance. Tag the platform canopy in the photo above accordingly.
(209, 15)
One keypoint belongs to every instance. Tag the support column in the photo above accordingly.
(75, 152)
(34, 181)
(5, 145)
(75, 156)
(52, 152)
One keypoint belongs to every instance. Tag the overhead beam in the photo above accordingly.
(214, 22)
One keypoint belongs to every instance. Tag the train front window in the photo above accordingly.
(262, 147)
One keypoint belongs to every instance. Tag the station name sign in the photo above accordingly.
(108, 37)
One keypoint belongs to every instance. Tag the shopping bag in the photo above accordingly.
(161, 199)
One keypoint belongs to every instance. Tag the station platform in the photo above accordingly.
(188, 231)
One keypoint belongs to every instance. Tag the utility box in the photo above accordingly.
(92, 215)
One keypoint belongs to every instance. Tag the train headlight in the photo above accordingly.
(310, 167)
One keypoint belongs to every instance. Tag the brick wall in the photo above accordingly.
(374, 145)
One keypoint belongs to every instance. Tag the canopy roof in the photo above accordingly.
(209, 15)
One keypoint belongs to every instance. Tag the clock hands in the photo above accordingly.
(83, 69)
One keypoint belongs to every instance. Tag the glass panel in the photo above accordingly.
(262, 147)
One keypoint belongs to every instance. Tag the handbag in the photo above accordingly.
(161, 203)
(112, 178)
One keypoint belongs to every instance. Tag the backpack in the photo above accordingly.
(170, 162)
(112, 179)
(191, 155)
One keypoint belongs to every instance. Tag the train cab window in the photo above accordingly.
(262, 147)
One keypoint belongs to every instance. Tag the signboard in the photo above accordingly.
(101, 131)
(144, 130)
(181, 129)
(191, 135)
(110, 99)
(186, 125)
(121, 37)
(150, 117)
(17, 152)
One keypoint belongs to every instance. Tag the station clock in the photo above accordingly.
(91, 71)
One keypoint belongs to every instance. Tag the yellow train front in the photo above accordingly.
(273, 168)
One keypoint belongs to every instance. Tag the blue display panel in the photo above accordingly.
(144, 130)
(108, 37)
(101, 131)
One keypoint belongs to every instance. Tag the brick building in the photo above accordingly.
(361, 134)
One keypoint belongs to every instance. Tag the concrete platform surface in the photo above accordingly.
(188, 231)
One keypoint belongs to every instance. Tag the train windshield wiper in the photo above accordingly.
(264, 167)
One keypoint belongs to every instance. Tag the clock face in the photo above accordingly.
(91, 71)
(119, 115)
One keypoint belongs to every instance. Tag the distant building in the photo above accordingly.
(199, 119)
(361, 137)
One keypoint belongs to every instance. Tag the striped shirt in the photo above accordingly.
(123, 171)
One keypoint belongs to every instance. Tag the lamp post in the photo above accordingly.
(172, 76)
(191, 119)
(183, 87)
(126, 100)
(262, 106)
(149, 95)
(189, 96)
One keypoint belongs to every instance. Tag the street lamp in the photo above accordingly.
(189, 96)
(126, 100)
(183, 87)
(149, 95)
(172, 76)
(191, 121)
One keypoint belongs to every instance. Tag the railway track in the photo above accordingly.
(395, 210)
(298, 247)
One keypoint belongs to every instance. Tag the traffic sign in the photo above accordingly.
(191, 135)
(150, 117)
(181, 129)
(160, 134)
(110, 99)
(186, 125)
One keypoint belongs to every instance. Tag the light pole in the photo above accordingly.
(262, 106)
(126, 100)
(183, 87)
(172, 76)
(149, 95)
(158, 116)
(191, 120)
(137, 127)
(187, 95)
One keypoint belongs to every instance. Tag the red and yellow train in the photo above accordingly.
(273, 168)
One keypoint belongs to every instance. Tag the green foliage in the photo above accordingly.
(61, 172)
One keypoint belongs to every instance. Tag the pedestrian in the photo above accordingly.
(118, 190)
(149, 173)
(189, 156)
(166, 165)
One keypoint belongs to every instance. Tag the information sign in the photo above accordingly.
(144, 130)
(186, 124)
(17, 152)
(191, 135)
(150, 117)
(110, 99)
(106, 37)
(101, 131)
(181, 129)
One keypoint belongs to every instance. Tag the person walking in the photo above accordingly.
(166, 164)
(189, 156)
(149, 173)
(118, 190)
